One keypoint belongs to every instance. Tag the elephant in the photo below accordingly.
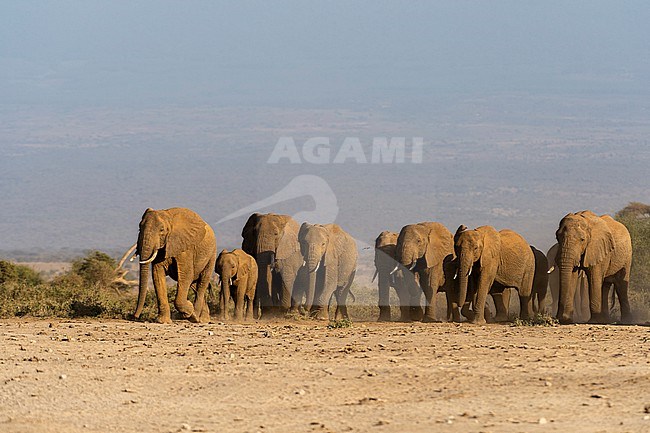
(498, 260)
(238, 273)
(602, 247)
(427, 248)
(179, 244)
(402, 280)
(330, 257)
(540, 299)
(272, 240)
(581, 312)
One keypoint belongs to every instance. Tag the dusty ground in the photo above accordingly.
(116, 376)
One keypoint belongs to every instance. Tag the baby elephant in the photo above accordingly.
(238, 273)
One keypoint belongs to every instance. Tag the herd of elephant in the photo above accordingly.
(287, 268)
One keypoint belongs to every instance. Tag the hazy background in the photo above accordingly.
(528, 110)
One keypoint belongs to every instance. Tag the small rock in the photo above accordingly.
(647, 417)
(300, 392)
(63, 376)
(542, 421)
(547, 383)
(210, 333)
(185, 427)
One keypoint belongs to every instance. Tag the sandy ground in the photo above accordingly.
(117, 376)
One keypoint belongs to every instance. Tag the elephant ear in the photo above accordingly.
(187, 229)
(334, 245)
(248, 234)
(461, 228)
(491, 247)
(601, 242)
(288, 243)
(303, 231)
(440, 244)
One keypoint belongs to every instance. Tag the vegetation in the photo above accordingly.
(636, 217)
(536, 320)
(87, 290)
(95, 287)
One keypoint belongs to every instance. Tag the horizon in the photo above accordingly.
(526, 112)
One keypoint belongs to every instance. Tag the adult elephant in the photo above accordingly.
(427, 248)
(177, 243)
(272, 240)
(601, 247)
(581, 312)
(540, 299)
(495, 260)
(402, 281)
(330, 256)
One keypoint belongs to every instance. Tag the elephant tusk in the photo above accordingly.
(455, 275)
(133, 257)
(551, 269)
(317, 266)
(413, 265)
(304, 263)
(374, 276)
(394, 270)
(230, 281)
(470, 272)
(153, 256)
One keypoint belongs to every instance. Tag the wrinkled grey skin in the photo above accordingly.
(427, 248)
(272, 240)
(330, 257)
(602, 247)
(540, 299)
(177, 243)
(238, 274)
(581, 313)
(403, 281)
(494, 261)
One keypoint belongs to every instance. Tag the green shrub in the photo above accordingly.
(12, 272)
(636, 217)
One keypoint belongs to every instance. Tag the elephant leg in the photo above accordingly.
(451, 308)
(502, 304)
(621, 286)
(183, 306)
(484, 285)
(581, 301)
(201, 302)
(239, 301)
(320, 309)
(597, 302)
(467, 312)
(160, 285)
(415, 303)
(384, 297)
(430, 308)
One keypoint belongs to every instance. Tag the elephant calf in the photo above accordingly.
(238, 273)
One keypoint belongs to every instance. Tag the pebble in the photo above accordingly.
(542, 421)
(63, 376)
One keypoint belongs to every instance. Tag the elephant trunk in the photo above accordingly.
(568, 281)
(464, 270)
(142, 292)
(147, 254)
(311, 291)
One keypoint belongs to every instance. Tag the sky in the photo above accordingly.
(151, 52)
(108, 107)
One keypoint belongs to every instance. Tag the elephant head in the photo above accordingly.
(317, 250)
(385, 245)
(164, 234)
(271, 239)
(227, 266)
(482, 246)
(584, 240)
(416, 242)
